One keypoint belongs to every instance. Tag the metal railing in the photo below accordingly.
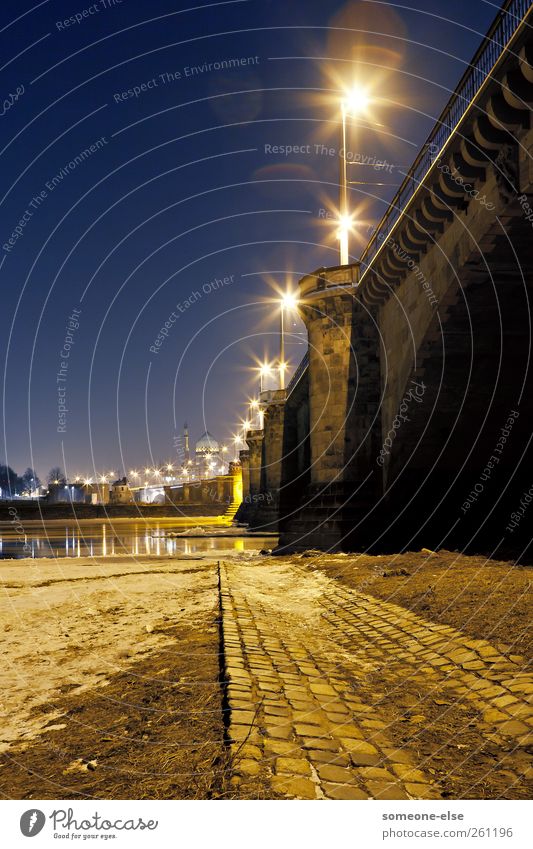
(300, 371)
(502, 30)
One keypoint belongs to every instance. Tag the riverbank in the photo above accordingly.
(119, 672)
(110, 686)
(42, 512)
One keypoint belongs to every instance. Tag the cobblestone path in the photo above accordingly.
(302, 723)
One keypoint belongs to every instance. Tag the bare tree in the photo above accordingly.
(57, 475)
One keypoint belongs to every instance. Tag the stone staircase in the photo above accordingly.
(230, 513)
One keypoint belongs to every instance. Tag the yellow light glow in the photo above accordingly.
(289, 300)
(266, 369)
(254, 403)
(345, 223)
(356, 101)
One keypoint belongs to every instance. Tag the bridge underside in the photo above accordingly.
(464, 458)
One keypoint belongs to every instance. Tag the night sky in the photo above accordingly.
(181, 199)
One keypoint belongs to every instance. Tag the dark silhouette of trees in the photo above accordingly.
(30, 480)
(56, 475)
(10, 483)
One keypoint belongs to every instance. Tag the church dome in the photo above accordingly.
(207, 444)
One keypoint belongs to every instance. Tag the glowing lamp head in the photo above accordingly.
(289, 301)
(355, 101)
(345, 226)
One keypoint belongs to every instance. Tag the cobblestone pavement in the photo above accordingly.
(302, 722)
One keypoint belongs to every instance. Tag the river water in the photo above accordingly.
(104, 538)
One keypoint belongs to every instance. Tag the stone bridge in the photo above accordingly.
(409, 422)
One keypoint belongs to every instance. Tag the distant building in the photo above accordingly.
(66, 493)
(121, 492)
(207, 456)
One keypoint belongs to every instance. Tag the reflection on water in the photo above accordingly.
(106, 540)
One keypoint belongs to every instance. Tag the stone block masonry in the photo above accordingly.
(298, 649)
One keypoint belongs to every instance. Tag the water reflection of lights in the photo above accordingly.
(105, 541)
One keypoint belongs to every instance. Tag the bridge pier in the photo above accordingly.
(266, 509)
(344, 482)
(250, 459)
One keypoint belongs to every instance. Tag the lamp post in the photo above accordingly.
(353, 103)
(255, 410)
(343, 199)
(288, 302)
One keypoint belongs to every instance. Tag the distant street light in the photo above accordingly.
(265, 370)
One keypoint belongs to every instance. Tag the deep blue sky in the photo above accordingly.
(183, 192)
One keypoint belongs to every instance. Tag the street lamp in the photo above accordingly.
(265, 370)
(236, 443)
(353, 103)
(255, 408)
(288, 302)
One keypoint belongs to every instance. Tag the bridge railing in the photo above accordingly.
(298, 374)
(492, 48)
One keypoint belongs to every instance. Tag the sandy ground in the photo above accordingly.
(69, 626)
